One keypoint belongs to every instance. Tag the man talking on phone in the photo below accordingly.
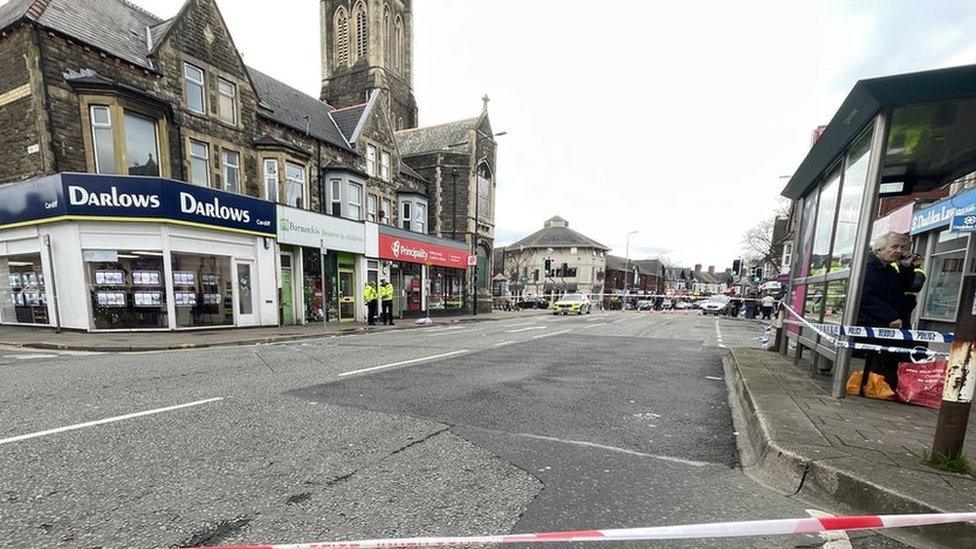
(892, 280)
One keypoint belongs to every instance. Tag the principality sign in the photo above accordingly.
(408, 250)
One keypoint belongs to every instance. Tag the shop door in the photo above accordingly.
(347, 296)
(246, 294)
(287, 292)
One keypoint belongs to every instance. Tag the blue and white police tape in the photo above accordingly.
(895, 334)
(917, 354)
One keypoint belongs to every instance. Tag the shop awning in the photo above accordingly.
(931, 139)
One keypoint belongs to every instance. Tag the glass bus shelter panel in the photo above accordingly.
(930, 144)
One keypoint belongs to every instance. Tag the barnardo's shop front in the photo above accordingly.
(322, 266)
(98, 252)
(428, 273)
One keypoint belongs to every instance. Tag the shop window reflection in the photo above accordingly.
(202, 291)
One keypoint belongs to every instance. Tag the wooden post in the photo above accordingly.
(957, 395)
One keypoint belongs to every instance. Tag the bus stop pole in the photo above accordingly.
(960, 380)
(862, 244)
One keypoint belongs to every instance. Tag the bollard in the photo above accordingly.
(957, 395)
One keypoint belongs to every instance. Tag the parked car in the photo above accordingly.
(684, 305)
(645, 305)
(715, 305)
(535, 302)
(572, 303)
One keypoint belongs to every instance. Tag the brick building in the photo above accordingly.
(105, 88)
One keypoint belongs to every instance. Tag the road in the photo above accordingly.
(609, 420)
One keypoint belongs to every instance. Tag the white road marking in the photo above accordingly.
(595, 325)
(106, 420)
(526, 329)
(615, 449)
(503, 344)
(445, 329)
(837, 539)
(453, 333)
(713, 378)
(552, 334)
(718, 334)
(600, 317)
(618, 320)
(403, 363)
(29, 357)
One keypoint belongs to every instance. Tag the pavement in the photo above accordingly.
(856, 455)
(30, 337)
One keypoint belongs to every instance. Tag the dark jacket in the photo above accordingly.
(885, 297)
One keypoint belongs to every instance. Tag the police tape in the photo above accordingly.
(882, 333)
(630, 297)
(777, 527)
(917, 354)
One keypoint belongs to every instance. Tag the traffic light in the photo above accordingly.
(548, 267)
(737, 267)
(758, 274)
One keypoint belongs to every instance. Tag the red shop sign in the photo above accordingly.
(413, 251)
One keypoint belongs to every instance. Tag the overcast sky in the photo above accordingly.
(674, 119)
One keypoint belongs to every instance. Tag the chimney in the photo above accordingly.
(711, 269)
(697, 267)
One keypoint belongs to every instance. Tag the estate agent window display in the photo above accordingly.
(127, 290)
(22, 292)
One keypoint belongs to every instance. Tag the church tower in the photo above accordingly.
(368, 45)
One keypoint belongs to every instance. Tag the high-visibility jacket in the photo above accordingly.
(386, 292)
(369, 293)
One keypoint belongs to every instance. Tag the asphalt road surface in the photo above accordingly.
(609, 420)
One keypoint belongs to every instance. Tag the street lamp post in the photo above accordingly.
(628, 281)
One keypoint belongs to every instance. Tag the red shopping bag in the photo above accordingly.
(922, 384)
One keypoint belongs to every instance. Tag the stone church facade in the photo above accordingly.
(367, 48)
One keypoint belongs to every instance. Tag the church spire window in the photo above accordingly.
(398, 63)
(341, 37)
(362, 42)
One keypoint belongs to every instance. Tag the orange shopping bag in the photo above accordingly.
(876, 387)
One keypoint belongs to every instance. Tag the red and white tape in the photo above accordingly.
(688, 531)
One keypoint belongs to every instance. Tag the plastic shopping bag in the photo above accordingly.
(922, 384)
(876, 388)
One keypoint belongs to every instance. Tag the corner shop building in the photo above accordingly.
(97, 252)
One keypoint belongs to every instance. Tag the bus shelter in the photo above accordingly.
(904, 135)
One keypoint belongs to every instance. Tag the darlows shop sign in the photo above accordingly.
(132, 198)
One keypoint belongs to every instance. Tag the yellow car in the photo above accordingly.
(572, 303)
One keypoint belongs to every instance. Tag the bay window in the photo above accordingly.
(420, 218)
(405, 216)
(355, 198)
(103, 139)
(123, 142)
(335, 197)
(294, 185)
(141, 145)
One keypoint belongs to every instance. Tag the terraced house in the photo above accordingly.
(151, 180)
